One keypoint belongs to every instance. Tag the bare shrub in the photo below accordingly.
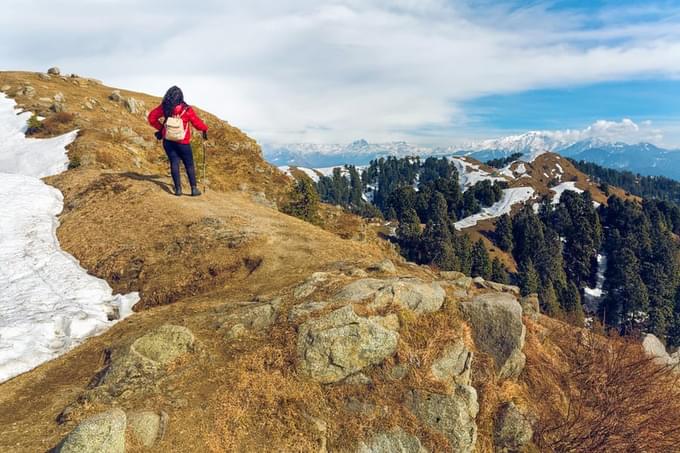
(594, 394)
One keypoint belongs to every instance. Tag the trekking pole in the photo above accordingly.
(203, 145)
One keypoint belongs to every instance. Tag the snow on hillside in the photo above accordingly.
(470, 174)
(560, 188)
(48, 303)
(314, 176)
(510, 198)
(593, 296)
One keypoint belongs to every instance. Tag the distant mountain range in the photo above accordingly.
(643, 158)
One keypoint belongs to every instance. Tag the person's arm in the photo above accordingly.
(154, 118)
(196, 121)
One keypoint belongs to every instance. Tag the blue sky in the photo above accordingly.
(428, 71)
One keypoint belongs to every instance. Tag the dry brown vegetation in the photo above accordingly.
(597, 394)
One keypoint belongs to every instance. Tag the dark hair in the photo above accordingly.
(172, 98)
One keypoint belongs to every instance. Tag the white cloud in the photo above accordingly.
(302, 70)
(626, 130)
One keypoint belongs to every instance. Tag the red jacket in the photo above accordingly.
(189, 116)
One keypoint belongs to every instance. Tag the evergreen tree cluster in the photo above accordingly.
(657, 187)
(503, 161)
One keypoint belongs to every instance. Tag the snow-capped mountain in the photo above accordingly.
(643, 158)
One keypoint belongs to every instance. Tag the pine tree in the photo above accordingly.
(503, 233)
(499, 273)
(409, 235)
(304, 201)
(547, 298)
(437, 241)
(463, 248)
(570, 301)
(528, 278)
(481, 266)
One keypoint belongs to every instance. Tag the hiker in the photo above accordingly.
(176, 134)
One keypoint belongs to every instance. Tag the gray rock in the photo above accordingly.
(253, 316)
(310, 285)
(457, 279)
(512, 430)
(147, 426)
(42, 76)
(384, 266)
(115, 96)
(452, 415)
(303, 310)
(101, 433)
(395, 441)
(164, 344)
(59, 97)
(88, 105)
(337, 345)
(358, 379)
(398, 372)
(498, 330)
(454, 365)
(139, 367)
(412, 294)
(503, 288)
(133, 105)
(28, 91)
(54, 71)
(57, 107)
(654, 348)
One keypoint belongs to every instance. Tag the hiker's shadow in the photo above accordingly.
(156, 179)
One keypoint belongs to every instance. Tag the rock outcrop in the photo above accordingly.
(335, 346)
(452, 415)
(498, 330)
(101, 433)
(409, 293)
(655, 348)
(454, 364)
(147, 427)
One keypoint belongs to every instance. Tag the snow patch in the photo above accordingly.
(593, 296)
(48, 302)
(470, 174)
(510, 198)
(560, 188)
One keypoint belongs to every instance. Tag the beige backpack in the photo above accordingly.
(174, 128)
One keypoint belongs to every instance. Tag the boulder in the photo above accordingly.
(454, 364)
(147, 426)
(395, 441)
(133, 105)
(54, 71)
(512, 431)
(138, 367)
(384, 266)
(457, 279)
(250, 317)
(101, 433)
(412, 294)
(164, 344)
(655, 348)
(452, 415)
(341, 343)
(115, 96)
(498, 330)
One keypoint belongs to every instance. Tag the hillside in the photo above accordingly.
(257, 331)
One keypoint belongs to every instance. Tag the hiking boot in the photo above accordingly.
(195, 192)
(178, 191)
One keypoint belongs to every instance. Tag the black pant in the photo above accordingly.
(176, 152)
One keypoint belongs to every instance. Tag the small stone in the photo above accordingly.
(54, 71)
(45, 100)
(133, 105)
(42, 76)
(164, 344)
(59, 97)
(88, 105)
(28, 91)
(384, 266)
(101, 433)
(57, 107)
(5, 88)
(398, 372)
(115, 96)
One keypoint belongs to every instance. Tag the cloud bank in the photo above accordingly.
(310, 71)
